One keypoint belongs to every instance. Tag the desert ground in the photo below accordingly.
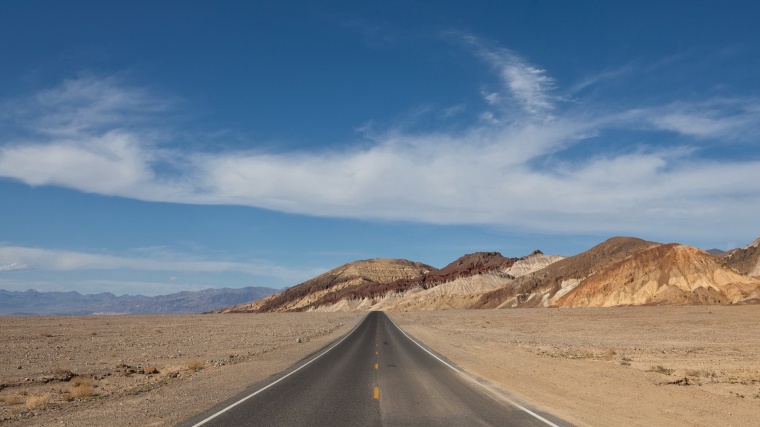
(146, 370)
(604, 366)
(632, 366)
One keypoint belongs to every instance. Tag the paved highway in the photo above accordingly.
(375, 376)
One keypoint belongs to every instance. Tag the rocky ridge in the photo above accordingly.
(621, 271)
(539, 288)
(460, 293)
(352, 286)
(628, 271)
(669, 275)
(745, 260)
(328, 286)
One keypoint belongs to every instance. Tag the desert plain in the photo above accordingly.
(635, 366)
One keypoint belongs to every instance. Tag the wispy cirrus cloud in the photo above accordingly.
(14, 266)
(529, 86)
(90, 104)
(29, 258)
(726, 119)
(510, 169)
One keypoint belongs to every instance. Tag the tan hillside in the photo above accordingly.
(533, 262)
(619, 271)
(465, 291)
(458, 294)
(464, 266)
(300, 297)
(664, 275)
(350, 288)
(458, 285)
(745, 260)
(541, 288)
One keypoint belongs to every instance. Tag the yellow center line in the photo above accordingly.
(377, 393)
(375, 365)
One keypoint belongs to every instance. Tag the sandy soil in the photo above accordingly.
(146, 370)
(634, 366)
(616, 366)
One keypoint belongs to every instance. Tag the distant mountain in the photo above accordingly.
(32, 302)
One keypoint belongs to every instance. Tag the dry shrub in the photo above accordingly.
(81, 387)
(700, 373)
(661, 370)
(610, 354)
(12, 400)
(37, 400)
(77, 381)
(83, 390)
(195, 365)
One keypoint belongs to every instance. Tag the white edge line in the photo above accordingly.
(278, 380)
(459, 371)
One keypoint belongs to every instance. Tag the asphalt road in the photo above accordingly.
(375, 376)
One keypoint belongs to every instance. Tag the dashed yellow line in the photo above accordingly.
(375, 365)
(377, 393)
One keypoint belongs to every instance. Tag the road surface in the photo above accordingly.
(375, 376)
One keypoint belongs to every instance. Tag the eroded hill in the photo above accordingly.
(665, 275)
(628, 271)
(745, 260)
(371, 284)
(619, 271)
(328, 286)
(541, 288)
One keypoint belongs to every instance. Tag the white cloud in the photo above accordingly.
(452, 111)
(111, 163)
(60, 260)
(729, 120)
(508, 169)
(724, 119)
(606, 75)
(91, 104)
(14, 266)
(530, 86)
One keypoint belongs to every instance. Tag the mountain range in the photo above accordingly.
(621, 271)
(32, 302)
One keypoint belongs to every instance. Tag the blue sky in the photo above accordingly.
(155, 147)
